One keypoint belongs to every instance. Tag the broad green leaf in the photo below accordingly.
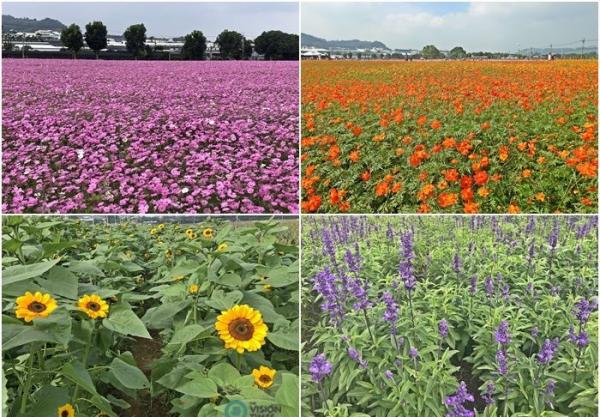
(200, 387)
(129, 375)
(61, 282)
(18, 273)
(122, 319)
(224, 373)
(75, 372)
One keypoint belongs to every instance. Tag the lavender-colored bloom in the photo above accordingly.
(389, 374)
(580, 340)
(406, 267)
(582, 311)
(390, 232)
(443, 328)
(553, 238)
(550, 385)
(324, 283)
(506, 292)
(328, 246)
(354, 355)
(358, 288)
(319, 367)
(502, 361)
(489, 287)
(530, 226)
(502, 334)
(548, 351)
(352, 262)
(488, 395)
(456, 402)
(535, 332)
(413, 352)
(473, 285)
(391, 310)
(457, 263)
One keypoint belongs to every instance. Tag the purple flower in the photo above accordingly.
(580, 340)
(391, 311)
(488, 395)
(356, 357)
(325, 284)
(456, 402)
(389, 374)
(390, 232)
(502, 361)
(502, 334)
(489, 287)
(413, 352)
(319, 367)
(406, 266)
(443, 328)
(358, 288)
(456, 263)
(473, 285)
(547, 351)
(550, 386)
(582, 311)
(535, 332)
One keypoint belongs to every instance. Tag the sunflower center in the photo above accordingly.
(265, 379)
(36, 307)
(241, 329)
(93, 306)
(64, 413)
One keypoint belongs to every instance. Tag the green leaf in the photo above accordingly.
(221, 301)
(61, 282)
(86, 268)
(287, 394)
(186, 334)
(281, 276)
(286, 338)
(224, 374)
(18, 273)
(264, 306)
(160, 317)
(128, 375)
(200, 387)
(122, 319)
(75, 372)
(47, 400)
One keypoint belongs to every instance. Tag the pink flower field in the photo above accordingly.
(150, 136)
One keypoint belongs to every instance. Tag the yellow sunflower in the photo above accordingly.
(222, 247)
(264, 376)
(34, 306)
(169, 253)
(191, 234)
(193, 288)
(242, 328)
(66, 410)
(161, 226)
(93, 306)
(208, 233)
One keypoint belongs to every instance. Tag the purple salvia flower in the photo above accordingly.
(548, 351)
(535, 332)
(413, 352)
(443, 328)
(456, 263)
(389, 374)
(358, 288)
(456, 402)
(390, 232)
(488, 395)
(550, 386)
(473, 285)
(489, 287)
(582, 311)
(502, 361)
(502, 334)
(406, 266)
(319, 367)
(580, 340)
(391, 310)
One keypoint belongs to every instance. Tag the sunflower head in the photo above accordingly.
(191, 234)
(34, 306)
(66, 410)
(161, 226)
(153, 231)
(264, 376)
(208, 233)
(193, 289)
(267, 288)
(222, 247)
(169, 253)
(93, 306)
(242, 328)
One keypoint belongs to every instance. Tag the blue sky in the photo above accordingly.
(475, 26)
(168, 19)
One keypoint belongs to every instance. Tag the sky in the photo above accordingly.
(506, 27)
(168, 19)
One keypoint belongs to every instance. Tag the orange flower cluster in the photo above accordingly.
(458, 137)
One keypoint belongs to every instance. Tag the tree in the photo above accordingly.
(275, 44)
(233, 45)
(72, 38)
(135, 39)
(95, 36)
(194, 45)
(457, 52)
(431, 52)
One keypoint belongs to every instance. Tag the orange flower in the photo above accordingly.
(312, 205)
(513, 208)
(366, 176)
(503, 152)
(540, 197)
(471, 207)
(449, 143)
(485, 125)
(480, 177)
(447, 199)
(379, 138)
(466, 182)
(382, 189)
(587, 201)
(466, 194)
(310, 170)
(354, 156)
(423, 176)
(399, 151)
(397, 187)
(334, 152)
(421, 120)
(436, 124)
(424, 208)
(334, 196)
(483, 192)
(451, 175)
(426, 192)
(356, 130)
(526, 173)
(587, 169)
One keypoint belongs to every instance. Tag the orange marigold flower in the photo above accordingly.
(399, 151)
(334, 152)
(480, 177)
(540, 197)
(423, 176)
(421, 120)
(526, 173)
(586, 201)
(426, 192)
(587, 169)
(513, 208)
(310, 170)
(485, 125)
(354, 156)
(424, 208)
(466, 182)
(356, 130)
(483, 192)
(312, 205)
(435, 124)
(382, 189)
(451, 174)
(397, 187)
(467, 194)
(366, 176)
(334, 196)
(471, 207)
(503, 153)
(447, 199)
(449, 143)
(379, 138)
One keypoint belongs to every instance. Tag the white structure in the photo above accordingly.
(314, 53)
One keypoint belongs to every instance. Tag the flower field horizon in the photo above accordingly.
(449, 137)
(150, 136)
(462, 316)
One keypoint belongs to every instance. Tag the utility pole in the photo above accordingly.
(582, 47)
(243, 45)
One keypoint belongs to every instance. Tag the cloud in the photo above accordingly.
(475, 26)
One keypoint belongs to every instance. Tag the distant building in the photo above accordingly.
(314, 53)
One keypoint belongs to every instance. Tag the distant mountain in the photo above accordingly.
(313, 41)
(24, 24)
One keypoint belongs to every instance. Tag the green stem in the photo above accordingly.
(28, 381)
(86, 354)
(238, 361)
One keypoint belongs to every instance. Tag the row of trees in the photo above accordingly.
(431, 52)
(232, 45)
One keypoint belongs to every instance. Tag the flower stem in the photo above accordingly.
(28, 381)
(368, 325)
(86, 354)
(412, 316)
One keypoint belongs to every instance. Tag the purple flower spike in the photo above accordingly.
(319, 367)
(456, 402)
